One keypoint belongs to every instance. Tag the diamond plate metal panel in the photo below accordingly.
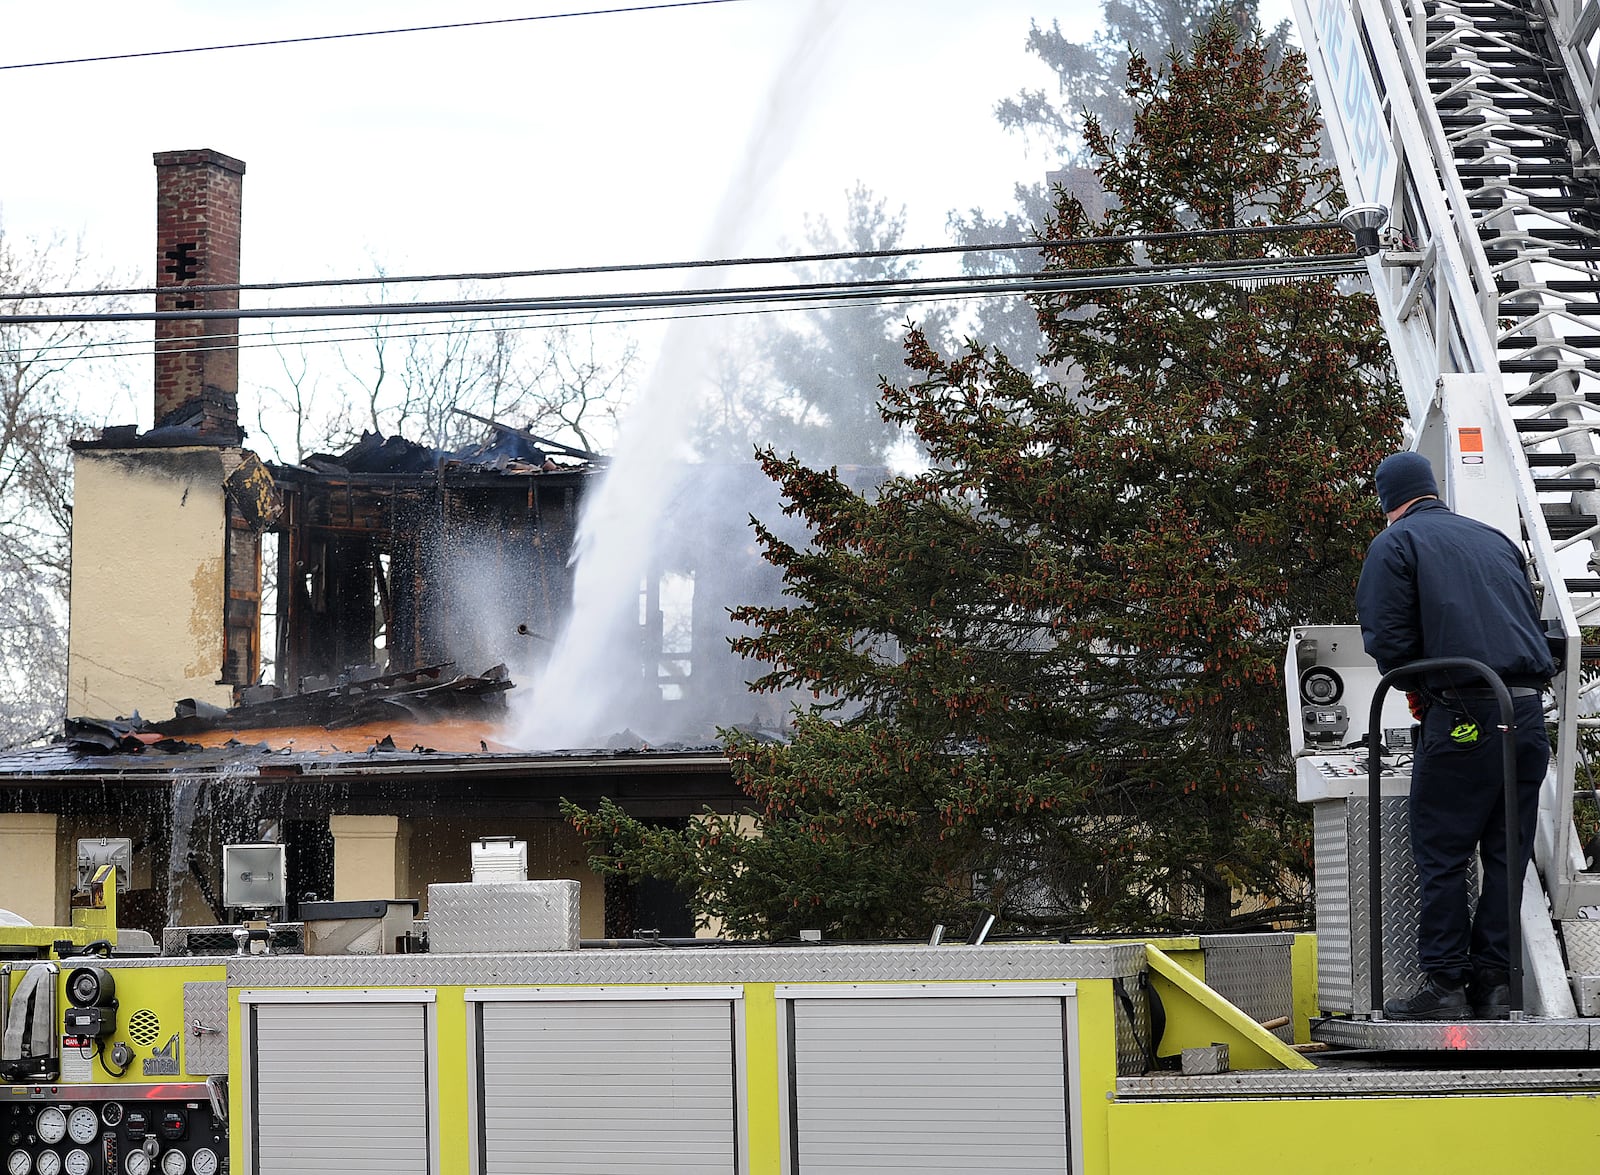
(503, 916)
(193, 962)
(1586, 994)
(1344, 1082)
(211, 941)
(1582, 939)
(1344, 908)
(1253, 972)
(1488, 1035)
(205, 1028)
(1133, 1032)
(692, 965)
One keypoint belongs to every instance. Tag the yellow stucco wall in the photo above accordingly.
(370, 857)
(28, 852)
(149, 529)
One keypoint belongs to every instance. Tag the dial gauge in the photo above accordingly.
(204, 1162)
(137, 1163)
(174, 1163)
(48, 1163)
(19, 1163)
(78, 1162)
(83, 1124)
(111, 1113)
(51, 1125)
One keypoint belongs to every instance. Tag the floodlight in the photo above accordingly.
(1364, 222)
(94, 853)
(253, 876)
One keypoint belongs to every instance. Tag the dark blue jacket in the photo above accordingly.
(1436, 584)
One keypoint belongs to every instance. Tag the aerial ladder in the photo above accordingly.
(1466, 134)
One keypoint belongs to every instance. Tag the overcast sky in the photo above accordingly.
(580, 140)
(574, 140)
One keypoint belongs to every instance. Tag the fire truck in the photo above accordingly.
(1466, 134)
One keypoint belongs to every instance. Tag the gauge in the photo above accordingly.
(137, 1163)
(48, 1163)
(111, 1113)
(204, 1162)
(83, 1124)
(51, 1125)
(78, 1162)
(174, 1163)
(19, 1163)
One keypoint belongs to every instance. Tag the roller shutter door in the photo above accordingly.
(607, 1086)
(339, 1088)
(927, 1084)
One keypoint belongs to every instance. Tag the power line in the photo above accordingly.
(508, 322)
(257, 340)
(232, 340)
(427, 28)
(713, 263)
(1246, 270)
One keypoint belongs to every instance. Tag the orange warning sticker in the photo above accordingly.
(1470, 440)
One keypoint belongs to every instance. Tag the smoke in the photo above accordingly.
(595, 682)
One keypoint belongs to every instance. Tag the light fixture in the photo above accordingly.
(1364, 222)
(253, 876)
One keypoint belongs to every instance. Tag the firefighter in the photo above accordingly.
(1436, 584)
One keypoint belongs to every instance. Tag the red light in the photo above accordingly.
(1457, 1037)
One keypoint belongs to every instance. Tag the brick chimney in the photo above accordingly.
(197, 244)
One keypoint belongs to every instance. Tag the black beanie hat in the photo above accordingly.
(1402, 477)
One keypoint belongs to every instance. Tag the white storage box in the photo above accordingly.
(477, 917)
(499, 858)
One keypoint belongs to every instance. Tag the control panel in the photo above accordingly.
(169, 1129)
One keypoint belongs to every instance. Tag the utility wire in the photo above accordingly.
(509, 322)
(1247, 271)
(427, 28)
(1251, 270)
(657, 266)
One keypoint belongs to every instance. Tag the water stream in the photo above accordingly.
(591, 685)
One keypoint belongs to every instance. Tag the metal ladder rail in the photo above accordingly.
(1574, 29)
(1491, 169)
(1510, 124)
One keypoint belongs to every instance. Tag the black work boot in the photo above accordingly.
(1489, 993)
(1435, 999)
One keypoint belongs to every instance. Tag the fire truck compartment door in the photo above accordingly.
(339, 1086)
(631, 1080)
(930, 1077)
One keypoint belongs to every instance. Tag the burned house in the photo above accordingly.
(406, 580)
(396, 553)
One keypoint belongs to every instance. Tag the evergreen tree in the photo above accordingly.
(1090, 85)
(1060, 648)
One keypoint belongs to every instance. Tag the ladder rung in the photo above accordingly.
(1544, 366)
(1569, 526)
(1545, 203)
(1558, 286)
(1499, 256)
(1545, 234)
(1564, 485)
(1528, 342)
(1517, 310)
(1551, 460)
(1543, 398)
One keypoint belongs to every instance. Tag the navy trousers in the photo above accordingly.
(1458, 805)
